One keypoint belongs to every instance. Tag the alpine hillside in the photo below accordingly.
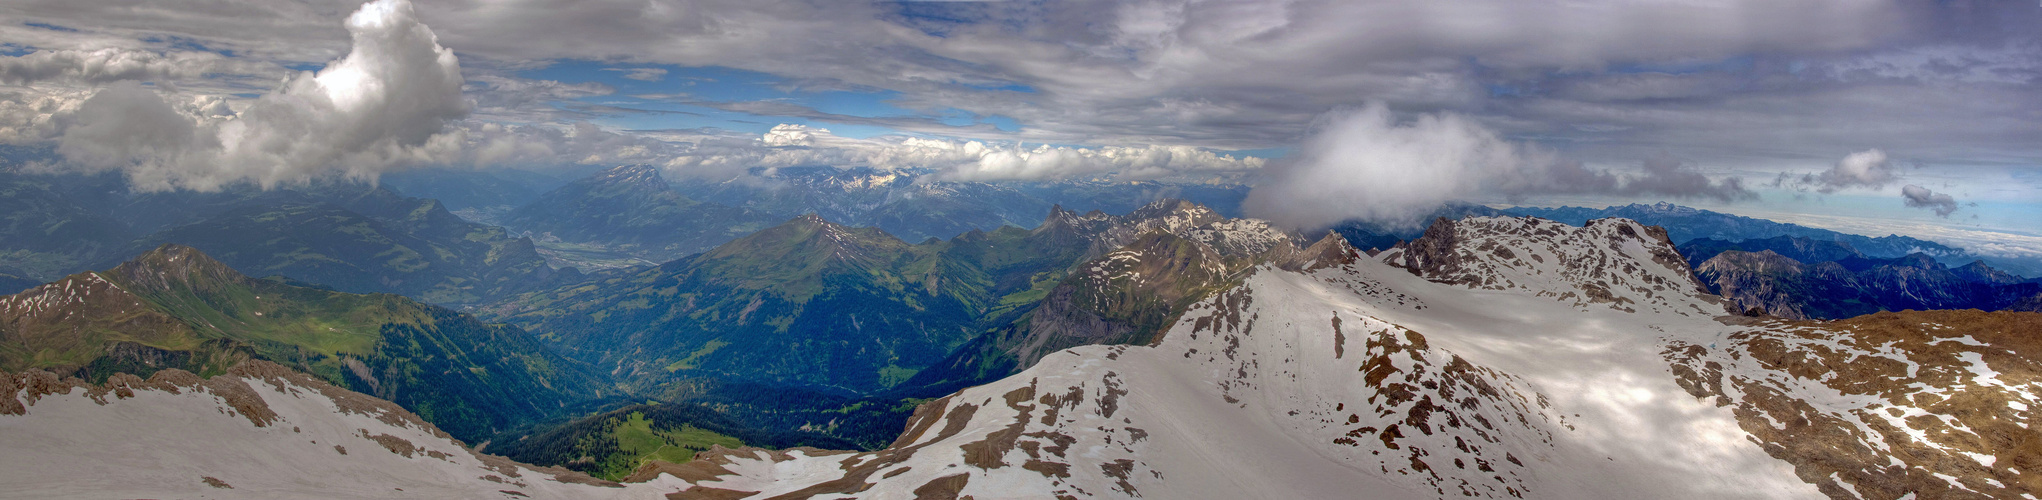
(175, 307)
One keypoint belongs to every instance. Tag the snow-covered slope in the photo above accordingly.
(261, 431)
(1510, 358)
(1358, 379)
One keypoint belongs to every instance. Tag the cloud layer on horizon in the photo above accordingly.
(1672, 97)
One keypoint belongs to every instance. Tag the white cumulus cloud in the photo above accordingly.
(1366, 164)
(386, 103)
(1870, 169)
(788, 145)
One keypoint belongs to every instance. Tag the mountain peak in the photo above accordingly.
(1168, 207)
(1762, 261)
(1330, 251)
(638, 175)
(172, 264)
(1619, 262)
(1979, 272)
(1919, 260)
(806, 237)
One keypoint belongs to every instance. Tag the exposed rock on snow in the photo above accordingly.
(1619, 262)
(1939, 404)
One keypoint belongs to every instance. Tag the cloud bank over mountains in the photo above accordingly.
(1597, 99)
(790, 145)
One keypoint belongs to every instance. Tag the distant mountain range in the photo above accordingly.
(635, 210)
(351, 237)
(1685, 224)
(1823, 284)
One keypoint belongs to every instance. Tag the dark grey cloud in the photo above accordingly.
(1920, 197)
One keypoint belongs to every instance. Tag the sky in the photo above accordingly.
(1915, 117)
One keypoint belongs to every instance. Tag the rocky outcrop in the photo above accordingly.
(1935, 404)
(1618, 262)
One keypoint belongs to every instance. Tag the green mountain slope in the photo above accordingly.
(174, 307)
(612, 444)
(808, 302)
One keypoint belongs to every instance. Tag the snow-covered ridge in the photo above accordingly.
(1355, 377)
(1618, 262)
(261, 431)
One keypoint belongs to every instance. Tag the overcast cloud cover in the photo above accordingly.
(1374, 109)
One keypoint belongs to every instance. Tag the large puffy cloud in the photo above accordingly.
(1366, 164)
(1924, 198)
(386, 103)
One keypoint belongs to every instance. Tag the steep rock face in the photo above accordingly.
(1937, 404)
(259, 430)
(1619, 262)
(1771, 283)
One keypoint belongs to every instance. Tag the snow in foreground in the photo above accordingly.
(262, 432)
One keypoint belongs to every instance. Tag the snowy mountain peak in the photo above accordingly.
(1619, 262)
